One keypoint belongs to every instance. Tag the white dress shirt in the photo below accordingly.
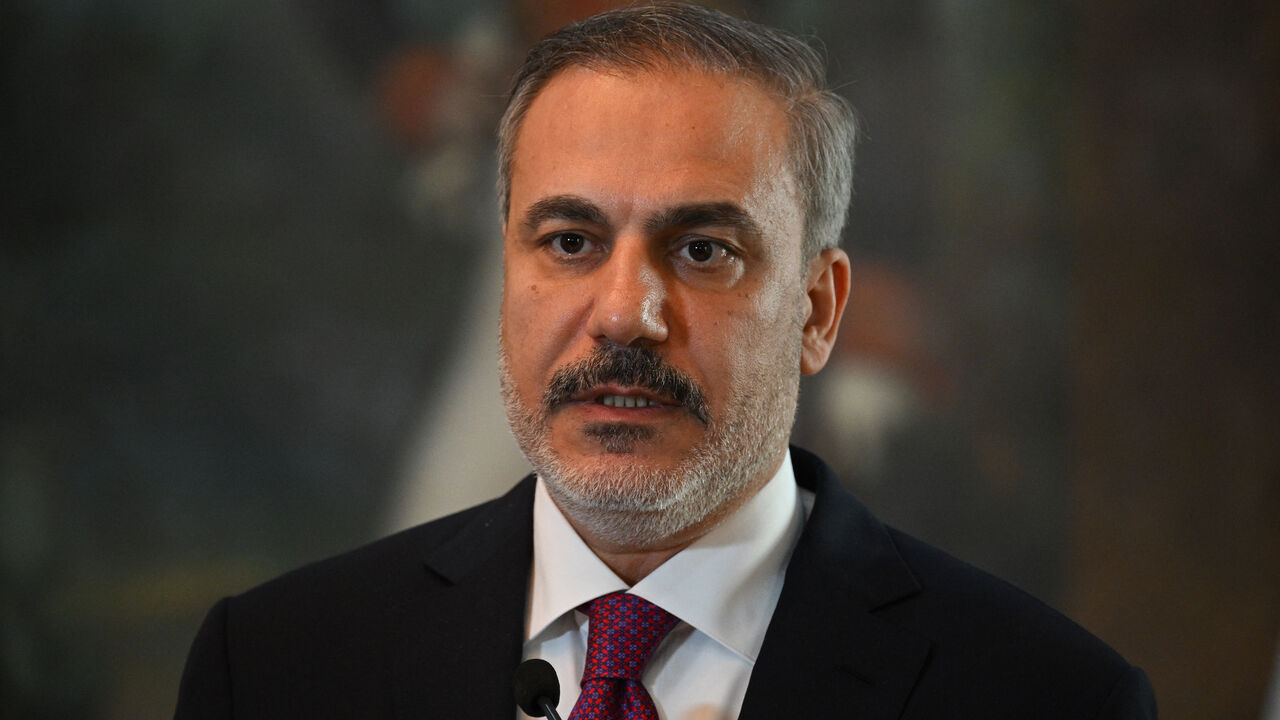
(723, 587)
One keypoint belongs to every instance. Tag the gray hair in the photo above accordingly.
(823, 128)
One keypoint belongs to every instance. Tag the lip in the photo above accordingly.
(592, 404)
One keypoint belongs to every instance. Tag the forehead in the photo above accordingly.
(652, 136)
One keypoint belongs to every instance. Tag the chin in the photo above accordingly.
(626, 480)
(638, 486)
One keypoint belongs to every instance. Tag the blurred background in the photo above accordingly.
(248, 310)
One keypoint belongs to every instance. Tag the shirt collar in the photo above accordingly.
(725, 584)
(565, 571)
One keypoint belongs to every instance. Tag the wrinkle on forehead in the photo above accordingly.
(578, 114)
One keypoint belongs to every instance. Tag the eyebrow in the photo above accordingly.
(573, 208)
(564, 207)
(714, 214)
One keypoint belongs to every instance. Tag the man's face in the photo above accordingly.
(654, 297)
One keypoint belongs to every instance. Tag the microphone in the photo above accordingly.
(537, 688)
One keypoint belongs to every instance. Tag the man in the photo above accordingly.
(674, 183)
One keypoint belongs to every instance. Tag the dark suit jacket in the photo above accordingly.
(872, 624)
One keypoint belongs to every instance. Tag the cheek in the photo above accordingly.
(537, 327)
(779, 302)
(735, 343)
(767, 330)
(766, 314)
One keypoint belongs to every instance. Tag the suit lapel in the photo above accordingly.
(826, 654)
(462, 631)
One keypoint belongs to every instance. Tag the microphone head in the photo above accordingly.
(535, 678)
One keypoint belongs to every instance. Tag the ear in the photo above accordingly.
(827, 289)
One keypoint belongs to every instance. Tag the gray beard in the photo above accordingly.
(632, 506)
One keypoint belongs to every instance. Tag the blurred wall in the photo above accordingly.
(248, 253)
(1175, 201)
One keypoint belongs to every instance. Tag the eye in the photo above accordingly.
(701, 251)
(569, 243)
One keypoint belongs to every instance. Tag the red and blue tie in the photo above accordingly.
(622, 632)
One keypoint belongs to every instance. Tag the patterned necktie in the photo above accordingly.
(622, 633)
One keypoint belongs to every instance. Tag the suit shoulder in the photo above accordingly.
(991, 637)
(988, 604)
(378, 566)
(331, 638)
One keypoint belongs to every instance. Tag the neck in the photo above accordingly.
(634, 566)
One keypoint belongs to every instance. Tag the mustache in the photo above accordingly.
(633, 366)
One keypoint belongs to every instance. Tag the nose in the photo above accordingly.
(630, 297)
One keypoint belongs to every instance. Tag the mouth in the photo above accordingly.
(625, 401)
(625, 383)
(623, 398)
